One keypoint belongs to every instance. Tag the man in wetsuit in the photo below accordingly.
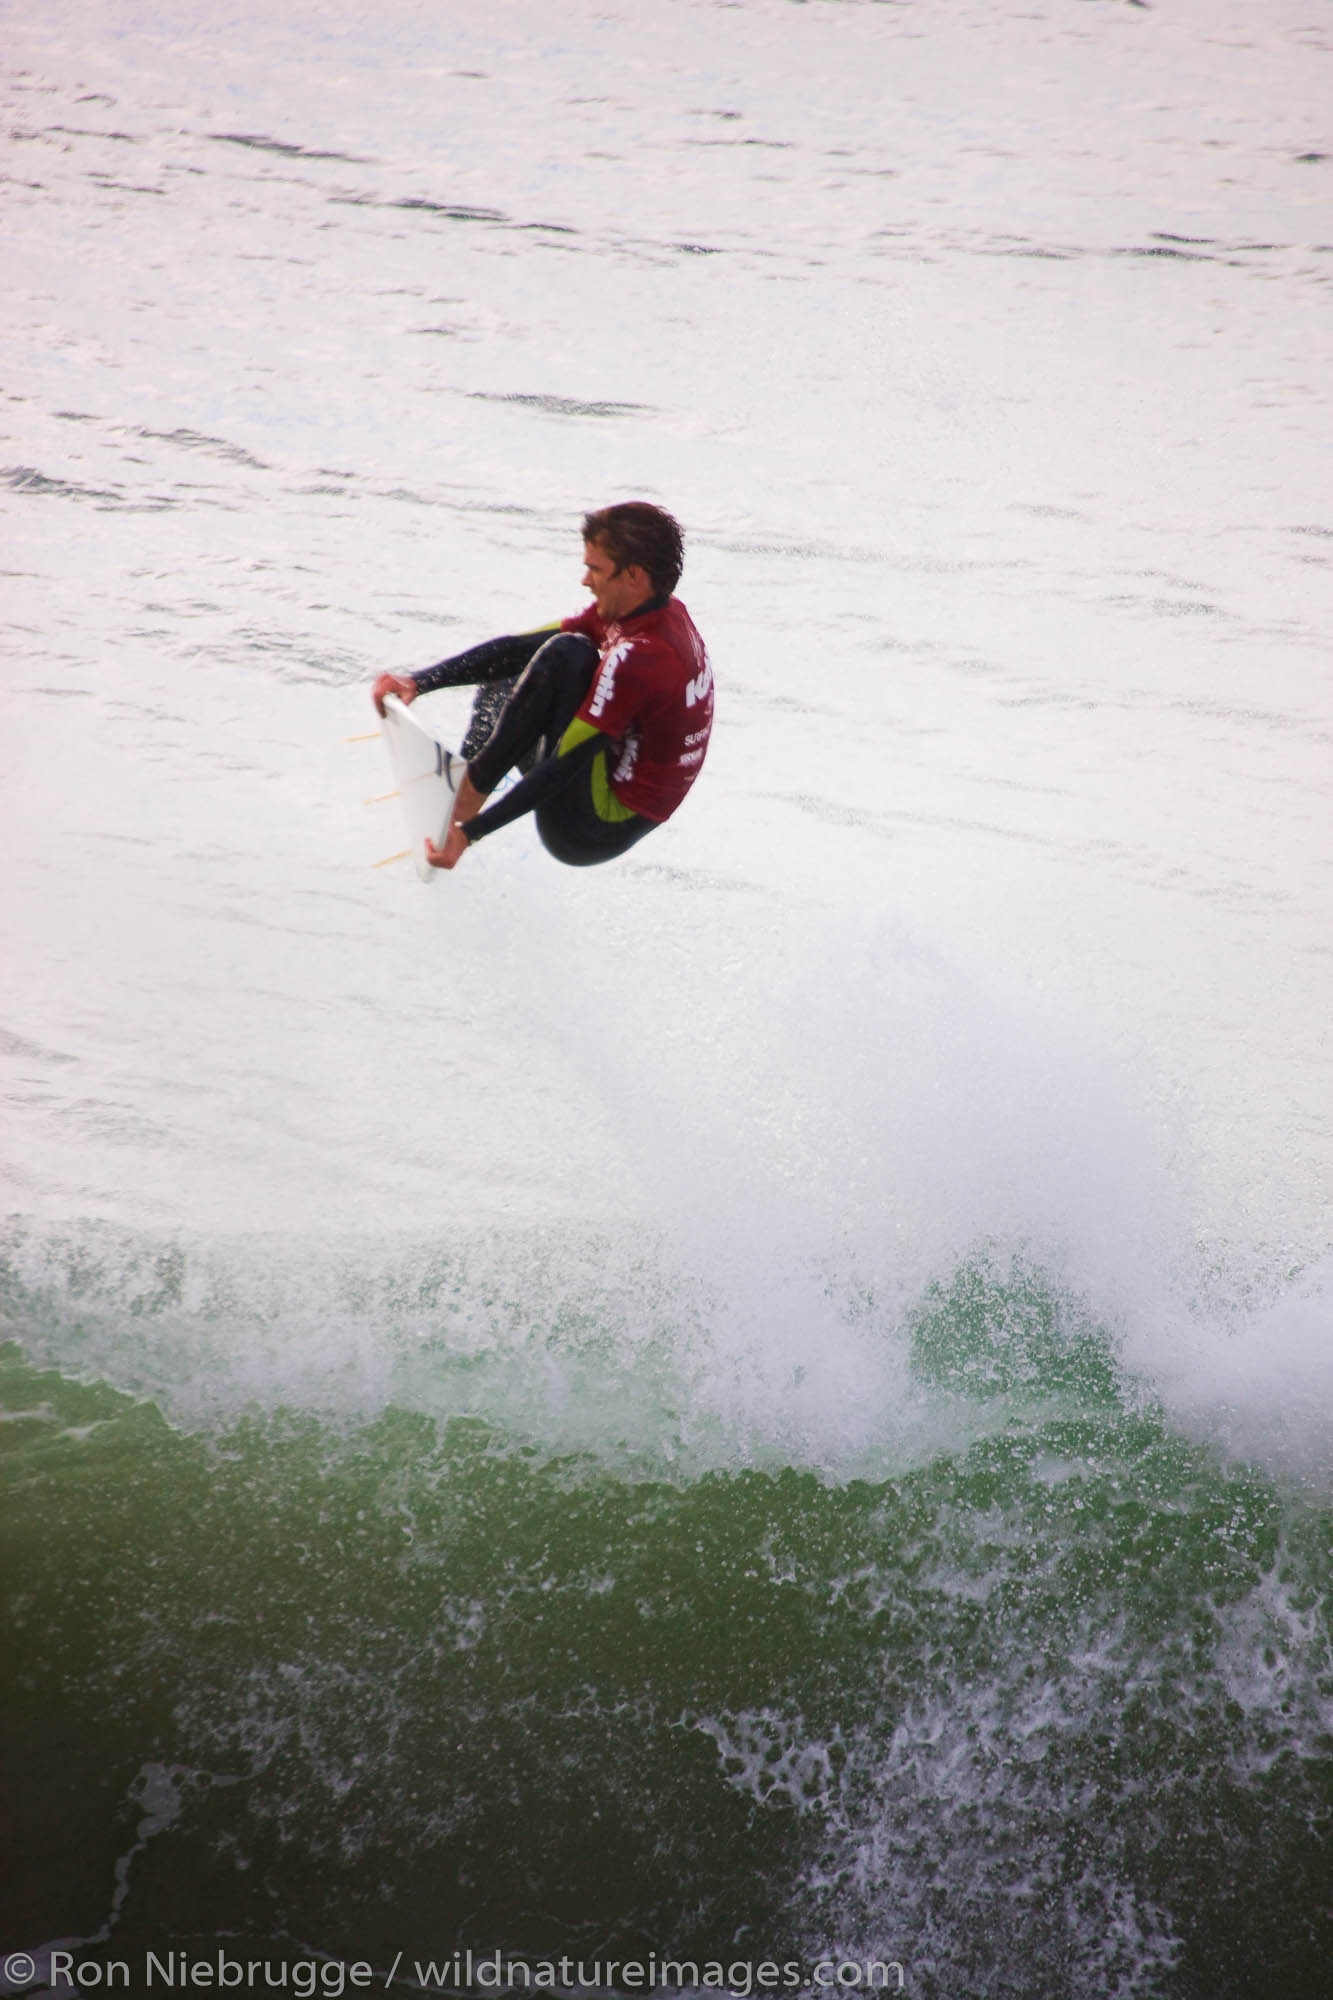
(608, 720)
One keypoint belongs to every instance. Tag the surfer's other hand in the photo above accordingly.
(400, 684)
(456, 844)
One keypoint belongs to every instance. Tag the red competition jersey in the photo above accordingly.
(652, 694)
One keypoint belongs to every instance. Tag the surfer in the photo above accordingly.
(606, 715)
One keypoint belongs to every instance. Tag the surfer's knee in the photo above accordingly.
(565, 656)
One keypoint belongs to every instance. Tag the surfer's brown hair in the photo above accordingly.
(634, 532)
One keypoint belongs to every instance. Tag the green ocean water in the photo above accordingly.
(1048, 1710)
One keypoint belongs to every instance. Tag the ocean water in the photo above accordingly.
(771, 1403)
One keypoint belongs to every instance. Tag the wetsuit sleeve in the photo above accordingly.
(493, 660)
(578, 746)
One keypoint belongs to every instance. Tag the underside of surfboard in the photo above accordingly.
(426, 775)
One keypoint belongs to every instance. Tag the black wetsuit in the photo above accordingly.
(530, 688)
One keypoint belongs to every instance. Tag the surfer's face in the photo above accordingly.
(615, 591)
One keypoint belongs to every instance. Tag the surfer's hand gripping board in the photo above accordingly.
(426, 775)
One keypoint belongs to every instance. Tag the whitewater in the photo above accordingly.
(771, 1401)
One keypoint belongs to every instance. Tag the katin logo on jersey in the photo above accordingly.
(696, 689)
(606, 679)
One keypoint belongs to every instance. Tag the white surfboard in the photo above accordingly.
(427, 776)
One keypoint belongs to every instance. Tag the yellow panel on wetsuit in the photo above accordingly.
(605, 803)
